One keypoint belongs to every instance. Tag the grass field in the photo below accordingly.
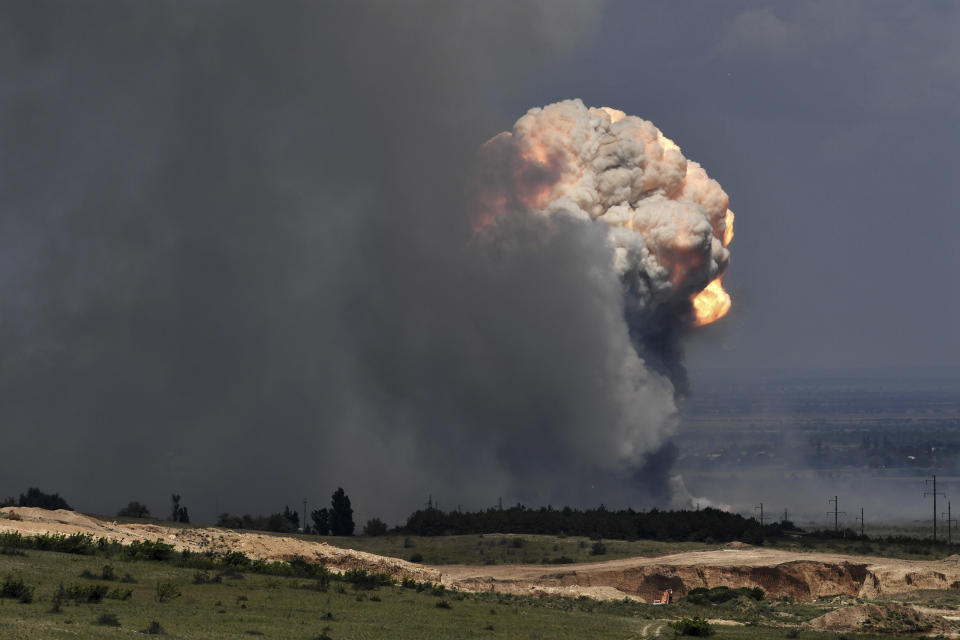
(535, 549)
(495, 548)
(244, 605)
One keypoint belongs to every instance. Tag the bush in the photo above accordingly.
(120, 594)
(416, 557)
(561, 560)
(236, 559)
(202, 577)
(360, 579)
(78, 543)
(443, 604)
(166, 591)
(85, 593)
(692, 627)
(146, 550)
(108, 620)
(154, 629)
(17, 589)
(718, 595)
(598, 549)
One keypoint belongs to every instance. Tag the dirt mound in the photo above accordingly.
(255, 545)
(890, 618)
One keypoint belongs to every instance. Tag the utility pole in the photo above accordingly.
(836, 512)
(786, 518)
(934, 493)
(950, 521)
(760, 506)
(303, 522)
(861, 521)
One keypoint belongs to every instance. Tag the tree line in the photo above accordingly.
(705, 525)
(627, 524)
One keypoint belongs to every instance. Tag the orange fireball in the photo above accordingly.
(713, 303)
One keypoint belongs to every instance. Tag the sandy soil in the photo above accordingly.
(804, 576)
(255, 545)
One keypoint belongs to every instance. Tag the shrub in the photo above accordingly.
(120, 594)
(598, 548)
(718, 595)
(85, 593)
(692, 627)
(202, 577)
(302, 568)
(235, 559)
(360, 579)
(146, 550)
(443, 604)
(561, 560)
(416, 557)
(77, 543)
(17, 589)
(166, 591)
(108, 620)
(154, 629)
(517, 543)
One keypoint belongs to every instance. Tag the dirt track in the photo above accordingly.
(805, 576)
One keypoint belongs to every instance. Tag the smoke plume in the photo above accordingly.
(239, 261)
(665, 224)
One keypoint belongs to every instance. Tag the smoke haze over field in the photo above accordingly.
(236, 264)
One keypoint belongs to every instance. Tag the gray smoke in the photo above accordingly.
(237, 263)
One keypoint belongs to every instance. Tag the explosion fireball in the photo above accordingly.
(669, 222)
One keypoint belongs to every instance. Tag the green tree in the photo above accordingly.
(134, 509)
(375, 527)
(36, 498)
(321, 521)
(292, 517)
(178, 513)
(341, 514)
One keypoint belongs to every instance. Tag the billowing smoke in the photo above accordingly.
(666, 221)
(666, 225)
(238, 263)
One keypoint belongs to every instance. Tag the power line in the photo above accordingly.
(934, 493)
(950, 521)
(760, 507)
(836, 512)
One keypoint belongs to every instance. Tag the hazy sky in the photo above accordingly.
(235, 261)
